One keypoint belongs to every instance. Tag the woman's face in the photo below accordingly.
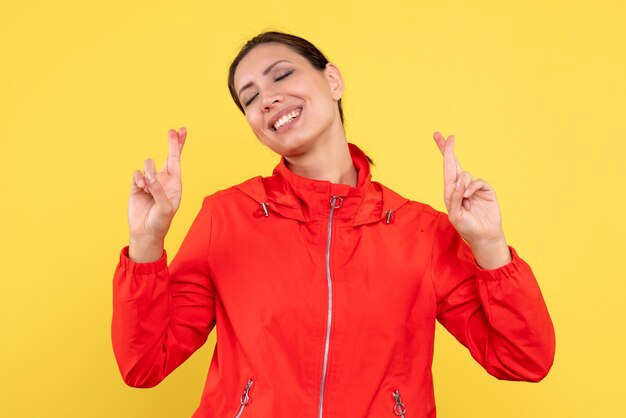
(290, 105)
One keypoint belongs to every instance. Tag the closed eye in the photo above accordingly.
(280, 77)
(283, 75)
(251, 99)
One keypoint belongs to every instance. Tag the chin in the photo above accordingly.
(290, 149)
(289, 146)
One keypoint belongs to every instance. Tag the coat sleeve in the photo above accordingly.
(499, 315)
(162, 315)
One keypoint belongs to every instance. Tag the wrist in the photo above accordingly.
(491, 254)
(145, 249)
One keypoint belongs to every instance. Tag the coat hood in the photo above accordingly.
(304, 199)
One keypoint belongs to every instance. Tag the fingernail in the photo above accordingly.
(149, 177)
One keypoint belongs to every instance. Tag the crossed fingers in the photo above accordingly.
(459, 185)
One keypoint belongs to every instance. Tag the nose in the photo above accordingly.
(270, 99)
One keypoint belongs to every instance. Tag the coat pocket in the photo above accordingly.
(245, 399)
(398, 408)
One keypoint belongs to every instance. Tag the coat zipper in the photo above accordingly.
(245, 398)
(335, 203)
(399, 409)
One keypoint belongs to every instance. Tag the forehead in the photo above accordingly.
(261, 57)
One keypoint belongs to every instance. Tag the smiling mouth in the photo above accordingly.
(286, 119)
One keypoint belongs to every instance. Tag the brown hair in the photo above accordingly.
(297, 44)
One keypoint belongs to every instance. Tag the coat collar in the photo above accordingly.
(306, 200)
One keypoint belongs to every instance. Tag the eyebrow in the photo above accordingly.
(265, 72)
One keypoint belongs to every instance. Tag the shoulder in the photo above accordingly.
(405, 204)
(250, 189)
(423, 208)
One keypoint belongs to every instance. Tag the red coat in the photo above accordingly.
(324, 306)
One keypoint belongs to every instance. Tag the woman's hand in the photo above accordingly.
(473, 209)
(154, 199)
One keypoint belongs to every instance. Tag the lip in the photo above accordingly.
(282, 113)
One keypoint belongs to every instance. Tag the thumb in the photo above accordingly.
(163, 205)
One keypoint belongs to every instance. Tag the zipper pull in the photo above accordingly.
(336, 202)
(399, 409)
(245, 396)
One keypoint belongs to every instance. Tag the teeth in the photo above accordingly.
(286, 119)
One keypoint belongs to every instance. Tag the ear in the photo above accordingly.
(335, 80)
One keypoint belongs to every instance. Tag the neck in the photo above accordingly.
(330, 161)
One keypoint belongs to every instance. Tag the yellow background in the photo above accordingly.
(534, 91)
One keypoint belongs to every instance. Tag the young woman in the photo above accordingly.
(324, 286)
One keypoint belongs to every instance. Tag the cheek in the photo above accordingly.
(254, 122)
(321, 94)
(256, 125)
